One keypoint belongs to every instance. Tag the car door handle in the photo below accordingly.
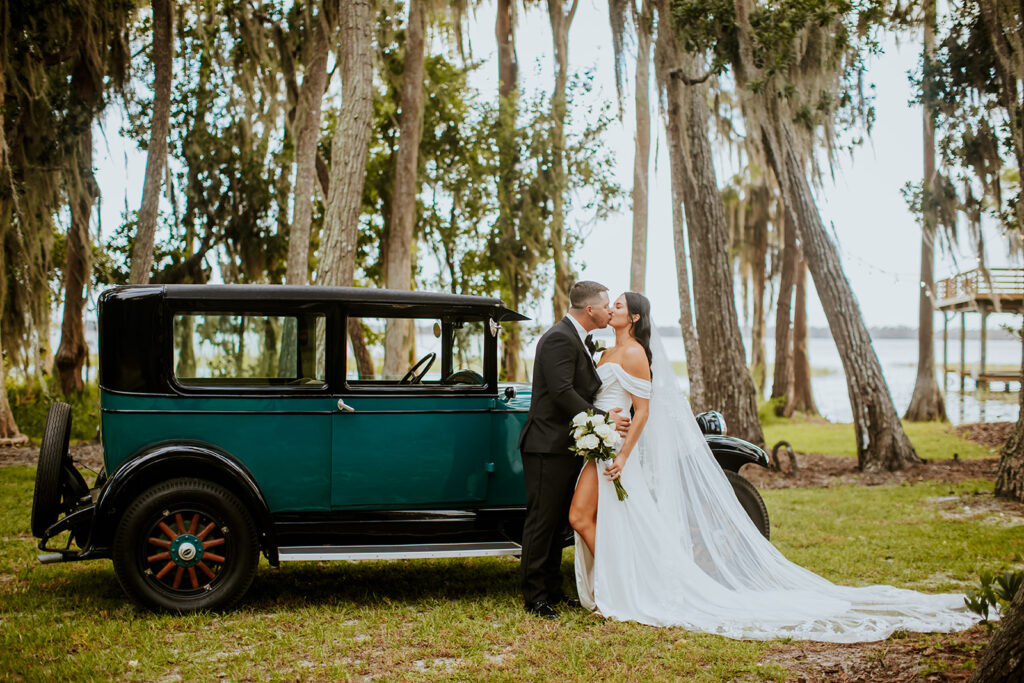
(345, 407)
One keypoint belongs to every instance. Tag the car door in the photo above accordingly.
(424, 442)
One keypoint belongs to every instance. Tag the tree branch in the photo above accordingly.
(686, 80)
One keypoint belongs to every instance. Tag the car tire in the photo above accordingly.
(186, 545)
(53, 461)
(751, 501)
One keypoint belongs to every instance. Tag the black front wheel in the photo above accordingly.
(186, 545)
(751, 501)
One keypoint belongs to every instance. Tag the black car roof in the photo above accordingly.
(369, 295)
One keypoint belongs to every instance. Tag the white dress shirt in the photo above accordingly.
(579, 329)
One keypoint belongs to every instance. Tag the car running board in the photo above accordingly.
(312, 553)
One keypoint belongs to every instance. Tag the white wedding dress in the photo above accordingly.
(681, 551)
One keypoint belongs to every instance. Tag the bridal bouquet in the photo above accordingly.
(595, 439)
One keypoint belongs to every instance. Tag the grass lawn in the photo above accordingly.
(933, 440)
(462, 619)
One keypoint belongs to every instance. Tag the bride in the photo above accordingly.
(681, 551)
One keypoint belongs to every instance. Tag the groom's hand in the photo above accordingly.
(621, 421)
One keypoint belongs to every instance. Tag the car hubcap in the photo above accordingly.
(186, 550)
(186, 562)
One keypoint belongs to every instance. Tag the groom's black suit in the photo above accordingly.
(564, 384)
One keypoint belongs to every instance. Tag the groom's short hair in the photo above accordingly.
(584, 292)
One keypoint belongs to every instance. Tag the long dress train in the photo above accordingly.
(681, 551)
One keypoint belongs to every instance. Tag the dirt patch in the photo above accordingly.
(87, 455)
(814, 470)
(912, 657)
(990, 434)
(980, 506)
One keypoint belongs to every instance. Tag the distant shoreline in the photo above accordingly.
(995, 333)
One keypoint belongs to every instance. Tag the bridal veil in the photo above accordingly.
(711, 570)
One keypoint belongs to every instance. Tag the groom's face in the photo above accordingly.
(600, 311)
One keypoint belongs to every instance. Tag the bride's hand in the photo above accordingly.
(614, 471)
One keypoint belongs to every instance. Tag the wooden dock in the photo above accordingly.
(984, 291)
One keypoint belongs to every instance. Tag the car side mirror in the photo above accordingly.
(510, 393)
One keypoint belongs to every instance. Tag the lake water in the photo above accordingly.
(899, 365)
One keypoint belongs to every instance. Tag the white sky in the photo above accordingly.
(878, 237)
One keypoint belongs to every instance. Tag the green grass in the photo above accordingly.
(933, 440)
(420, 620)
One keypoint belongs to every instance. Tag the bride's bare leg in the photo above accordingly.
(583, 511)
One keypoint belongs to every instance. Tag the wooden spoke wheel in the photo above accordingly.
(186, 545)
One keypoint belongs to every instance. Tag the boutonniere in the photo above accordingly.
(599, 347)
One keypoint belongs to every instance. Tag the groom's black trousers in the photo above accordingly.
(550, 482)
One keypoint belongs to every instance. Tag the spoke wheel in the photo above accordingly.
(186, 545)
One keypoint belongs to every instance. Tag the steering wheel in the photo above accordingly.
(413, 377)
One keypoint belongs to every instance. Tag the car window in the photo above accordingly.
(468, 350)
(225, 349)
(446, 352)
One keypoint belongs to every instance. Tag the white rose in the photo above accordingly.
(580, 419)
(615, 439)
(578, 432)
(588, 442)
(604, 431)
(595, 419)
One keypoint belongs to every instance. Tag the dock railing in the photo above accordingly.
(1001, 283)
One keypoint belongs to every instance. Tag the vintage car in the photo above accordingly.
(248, 419)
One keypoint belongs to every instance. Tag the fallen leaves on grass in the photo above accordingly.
(822, 471)
(903, 657)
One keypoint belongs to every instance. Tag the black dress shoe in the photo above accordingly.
(542, 609)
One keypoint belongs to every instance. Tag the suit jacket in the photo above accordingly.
(564, 384)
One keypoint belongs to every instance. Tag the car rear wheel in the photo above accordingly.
(186, 545)
(58, 484)
(751, 501)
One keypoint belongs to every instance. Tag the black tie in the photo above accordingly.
(589, 343)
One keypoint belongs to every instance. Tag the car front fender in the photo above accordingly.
(732, 453)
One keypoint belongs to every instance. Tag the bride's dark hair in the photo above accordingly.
(637, 304)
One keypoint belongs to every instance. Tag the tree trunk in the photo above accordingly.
(72, 350)
(881, 441)
(349, 147)
(364, 361)
(10, 435)
(727, 383)
(783, 374)
(163, 54)
(667, 56)
(1010, 477)
(1002, 660)
(801, 398)
(926, 403)
(508, 74)
(642, 154)
(399, 335)
(560, 22)
(504, 32)
(310, 105)
(757, 351)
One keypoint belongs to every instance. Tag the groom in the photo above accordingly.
(564, 384)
